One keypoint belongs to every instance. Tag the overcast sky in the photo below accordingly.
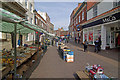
(59, 12)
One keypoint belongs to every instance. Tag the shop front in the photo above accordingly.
(106, 28)
(91, 34)
(113, 35)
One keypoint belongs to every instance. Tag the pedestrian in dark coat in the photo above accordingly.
(78, 40)
(85, 43)
(96, 45)
(75, 39)
(99, 46)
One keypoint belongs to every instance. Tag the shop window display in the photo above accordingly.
(117, 39)
(97, 33)
(108, 36)
(85, 34)
(90, 36)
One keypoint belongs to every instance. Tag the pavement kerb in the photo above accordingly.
(108, 60)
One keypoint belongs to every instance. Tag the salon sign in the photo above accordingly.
(109, 19)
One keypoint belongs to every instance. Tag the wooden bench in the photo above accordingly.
(82, 75)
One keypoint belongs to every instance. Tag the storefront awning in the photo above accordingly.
(9, 19)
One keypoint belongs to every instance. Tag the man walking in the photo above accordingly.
(96, 45)
(85, 43)
(99, 46)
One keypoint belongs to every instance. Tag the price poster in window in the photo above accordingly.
(86, 36)
(90, 36)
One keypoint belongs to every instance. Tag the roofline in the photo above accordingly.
(79, 8)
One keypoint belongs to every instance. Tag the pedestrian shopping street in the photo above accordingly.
(59, 39)
(53, 66)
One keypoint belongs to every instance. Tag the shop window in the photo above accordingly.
(95, 11)
(97, 33)
(90, 36)
(117, 28)
(112, 28)
(85, 35)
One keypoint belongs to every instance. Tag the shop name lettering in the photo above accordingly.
(109, 19)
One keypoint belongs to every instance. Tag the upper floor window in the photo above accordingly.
(82, 15)
(42, 24)
(76, 21)
(116, 3)
(30, 7)
(95, 11)
(31, 20)
(26, 3)
(36, 21)
(79, 18)
(26, 17)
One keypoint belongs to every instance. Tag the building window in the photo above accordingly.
(36, 21)
(76, 21)
(26, 3)
(95, 11)
(82, 15)
(30, 7)
(26, 37)
(42, 24)
(79, 18)
(116, 3)
(31, 20)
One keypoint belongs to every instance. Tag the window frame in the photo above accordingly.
(95, 12)
(26, 4)
(31, 7)
(83, 15)
(79, 18)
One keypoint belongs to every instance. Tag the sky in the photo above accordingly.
(59, 12)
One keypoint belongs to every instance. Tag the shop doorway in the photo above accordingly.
(117, 39)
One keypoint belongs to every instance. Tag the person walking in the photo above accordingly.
(96, 45)
(85, 43)
(75, 39)
(78, 40)
(52, 42)
(56, 42)
(99, 46)
(67, 40)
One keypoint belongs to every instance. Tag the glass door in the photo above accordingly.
(112, 40)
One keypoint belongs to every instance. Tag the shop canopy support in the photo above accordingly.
(15, 26)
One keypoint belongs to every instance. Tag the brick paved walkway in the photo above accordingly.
(111, 53)
(52, 66)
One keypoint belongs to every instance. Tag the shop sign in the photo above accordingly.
(103, 20)
(109, 19)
